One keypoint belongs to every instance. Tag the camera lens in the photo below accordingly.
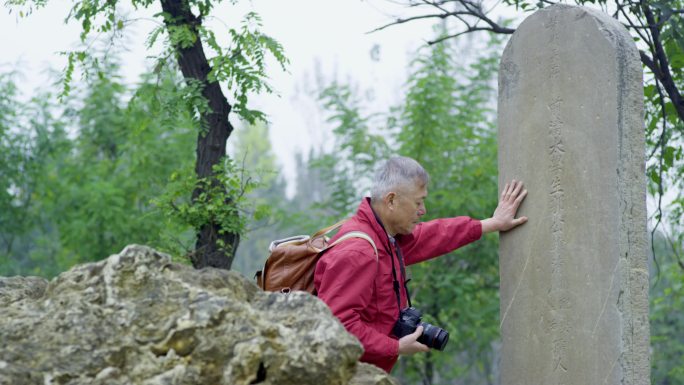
(433, 336)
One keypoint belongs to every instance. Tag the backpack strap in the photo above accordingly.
(304, 239)
(356, 234)
(322, 233)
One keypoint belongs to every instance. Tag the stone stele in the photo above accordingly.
(574, 279)
(138, 318)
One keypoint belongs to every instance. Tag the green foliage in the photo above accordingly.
(220, 200)
(267, 216)
(664, 128)
(352, 130)
(242, 66)
(254, 151)
(123, 175)
(667, 295)
(31, 141)
(321, 197)
(30, 138)
(88, 176)
(12, 158)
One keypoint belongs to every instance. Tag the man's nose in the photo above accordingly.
(422, 211)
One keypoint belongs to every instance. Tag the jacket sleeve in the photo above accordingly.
(346, 281)
(438, 237)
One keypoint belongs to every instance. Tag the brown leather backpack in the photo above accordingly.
(292, 261)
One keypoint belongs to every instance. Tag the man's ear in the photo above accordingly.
(390, 200)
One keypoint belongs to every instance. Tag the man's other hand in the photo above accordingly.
(408, 344)
(504, 216)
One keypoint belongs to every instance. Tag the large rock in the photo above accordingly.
(137, 318)
(13, 289)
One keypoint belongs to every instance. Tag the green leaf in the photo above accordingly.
(668, 156)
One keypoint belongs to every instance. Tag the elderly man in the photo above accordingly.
(366, 293)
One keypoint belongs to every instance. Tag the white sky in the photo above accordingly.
(328, 37)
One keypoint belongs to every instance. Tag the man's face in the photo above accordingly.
(408, 206)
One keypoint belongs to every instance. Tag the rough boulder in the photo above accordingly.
(138, 318)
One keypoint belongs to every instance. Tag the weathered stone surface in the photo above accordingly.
(367, 374)
(13, 289)
(574, 279)
(137, 318)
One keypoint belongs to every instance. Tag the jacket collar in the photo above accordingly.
(366, 214)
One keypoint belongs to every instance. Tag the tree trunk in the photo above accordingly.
(211, 139)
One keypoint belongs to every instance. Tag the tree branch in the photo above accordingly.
(637, 29)
(469, 30)
(661, 144)
(470, 9)
(412, 18)
(660, 60)
(648, 62)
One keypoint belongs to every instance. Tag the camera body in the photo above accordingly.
(410, 318)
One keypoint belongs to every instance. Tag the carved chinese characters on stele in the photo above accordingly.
(574, 279)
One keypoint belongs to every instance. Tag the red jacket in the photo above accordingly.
(358, 289)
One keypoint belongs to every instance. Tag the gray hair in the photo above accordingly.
(395, 173)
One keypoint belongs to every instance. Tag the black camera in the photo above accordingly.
(409, 319)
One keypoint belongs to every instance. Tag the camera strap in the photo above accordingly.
(395, 281)
(400, 256)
